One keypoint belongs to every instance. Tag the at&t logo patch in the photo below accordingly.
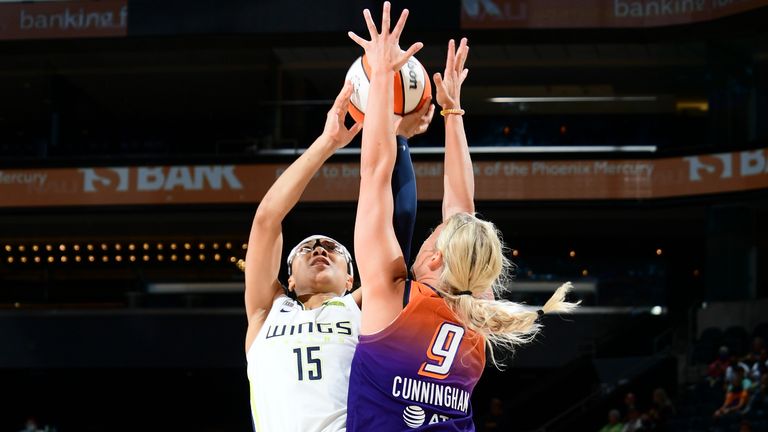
(413, 416)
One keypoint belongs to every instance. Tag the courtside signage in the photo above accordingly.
(592, 179)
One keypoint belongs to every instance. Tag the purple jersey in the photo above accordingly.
(418, 373)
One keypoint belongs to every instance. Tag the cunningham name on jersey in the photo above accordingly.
(430, 393)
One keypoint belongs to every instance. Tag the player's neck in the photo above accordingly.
(312, 301)
(429, 278)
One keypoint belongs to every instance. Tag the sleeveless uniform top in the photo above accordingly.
(418, 373)
(298, 366)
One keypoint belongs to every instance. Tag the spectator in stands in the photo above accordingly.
(762, 393)
(757, 364)
(614, 422)
(495, 419)
(716, 369)
(631, 412)
(637, 422)
(760, 367)
(758, 399)
(31, 425)
(735, 365)
(737, 394)
(662, 409)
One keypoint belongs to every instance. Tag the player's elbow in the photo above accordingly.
(266, 215)
(377, 156)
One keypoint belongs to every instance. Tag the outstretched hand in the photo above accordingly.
(416, 122)
(449, 84)
(383, 51)
(335, 130)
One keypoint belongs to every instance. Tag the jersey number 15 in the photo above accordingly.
(313, 366)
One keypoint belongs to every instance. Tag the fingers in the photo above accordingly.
(355, 129)
(426, 119)
(385, 18)
(414, 49)
(431, 112)
(343, 106)
(333, 118)
(346, 91)
(369, 22)
(463, 76)
(451, 57)
(340, 107)
(425, 108)
(344, 94)
(358, 40)
(461, 54)
(400, 24)
(438, 79)
(408, 54)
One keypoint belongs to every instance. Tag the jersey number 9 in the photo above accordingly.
(442, 351)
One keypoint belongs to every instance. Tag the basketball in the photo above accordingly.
(412, 87)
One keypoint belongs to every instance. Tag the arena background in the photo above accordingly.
(619, 144)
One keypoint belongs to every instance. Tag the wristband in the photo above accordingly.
(457, 111)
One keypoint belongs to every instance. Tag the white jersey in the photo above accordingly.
(298, 366)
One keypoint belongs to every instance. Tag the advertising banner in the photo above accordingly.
(502, 14)
(63, 19)
(592, 179)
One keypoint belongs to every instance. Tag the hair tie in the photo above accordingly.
(540, 312)
(464, 293)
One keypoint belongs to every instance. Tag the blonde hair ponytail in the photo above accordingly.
(474, 263)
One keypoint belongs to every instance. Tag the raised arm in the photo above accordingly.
(458, 177)
(458, 174)
(265, 243)
(404, 181)
(379, 259)
(404, 177)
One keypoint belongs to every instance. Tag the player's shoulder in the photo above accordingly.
(283, 303)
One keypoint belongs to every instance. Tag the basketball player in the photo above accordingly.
(300, 340)
(422, 343)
